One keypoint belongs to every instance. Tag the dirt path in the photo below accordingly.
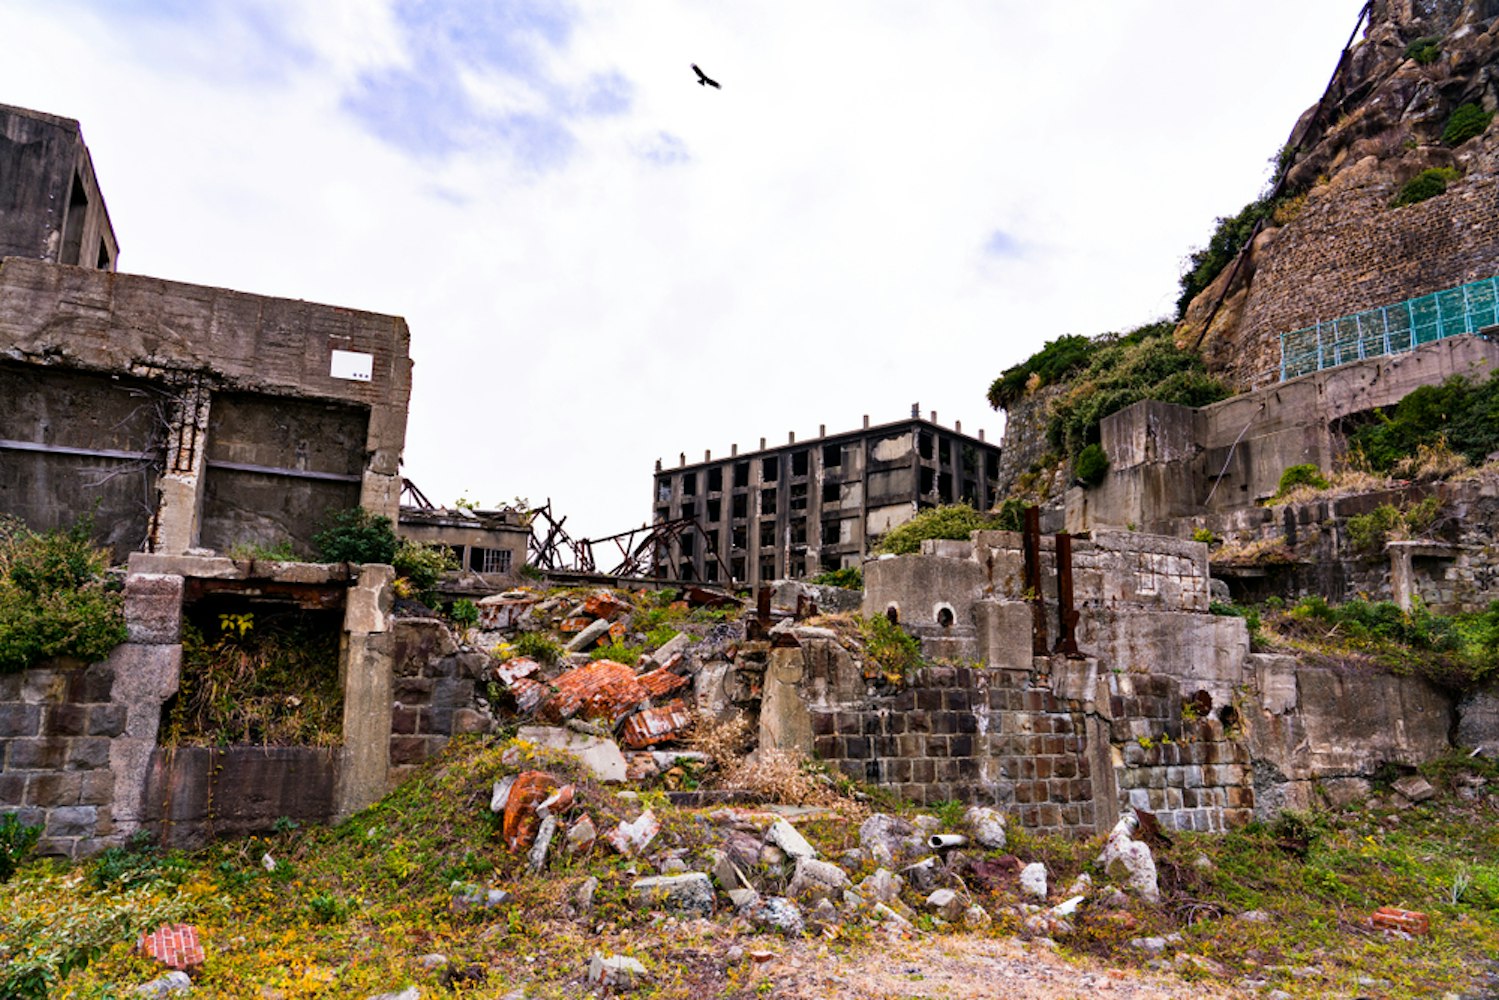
(962, 967)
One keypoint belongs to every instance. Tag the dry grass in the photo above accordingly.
(1260, 552)
(1431, 461)
(780, 776)
(1342, 483)
(724, 741)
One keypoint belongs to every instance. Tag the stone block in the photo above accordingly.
(12, 786)
(93, 685)
(65, 719)
(71, 821)
(106, 720)
(54, 788)
(43, 685)
(20, 720)
(37, 754)
(153, 608)
(96, 788)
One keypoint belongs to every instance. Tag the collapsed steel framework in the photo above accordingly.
(639, 550)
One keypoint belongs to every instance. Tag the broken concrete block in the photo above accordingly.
(501, 794)
(630, 839)
(1033, 880)
(589, 637)
(882, 886)
(988, 826)
(153, 608)
(617, 972)
(581, 835)
(689, 895)
(783, 835)
(1414, 787)
(602, 757)
(815, 879)
(1134, 856)
(946, 904)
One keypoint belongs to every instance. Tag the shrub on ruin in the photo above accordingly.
(421, 565)
(895, 650)
(538, 646)
(1424, 50)
(1054, 362)
(1464, 414)
(1427, 184)
(1467, 121)
(848, 577)
(1297, 476)
(355, 535)
(953, 521)
(55, 599)
(1091, 465)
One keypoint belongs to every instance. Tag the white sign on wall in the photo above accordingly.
(353, 365)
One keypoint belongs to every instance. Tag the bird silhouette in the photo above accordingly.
(703, 80)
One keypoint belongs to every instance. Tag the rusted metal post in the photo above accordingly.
(1067, 615)
(1032, 548)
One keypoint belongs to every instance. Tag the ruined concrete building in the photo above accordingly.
(489, 546)
(808, 507)
(183, 419)
(182, 416)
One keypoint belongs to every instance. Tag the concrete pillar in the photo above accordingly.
(1402, 575)
(785, 721)
(174, 525)
(365, 668)
(1004, 634)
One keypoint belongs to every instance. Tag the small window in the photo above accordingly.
(489, 560)
(767, 535)
(740, 505)
(924, 444)
(799, 496)
(799, 531)
(799, 462)
(770, 470)
(711, 545)
(663, 490)
(741, 474)
(830, 532)
(991, 465)
(767, 501)
(685, 572)
(689, 510)
(832, 456)
(689, 545)
(710, 570)
(944, 485)
(715, 510)
(737, 567)
(739, 538)
(831, 492)
(689, 484)
(928, 481)
(970, 460)
(715, 480)
(767, 570)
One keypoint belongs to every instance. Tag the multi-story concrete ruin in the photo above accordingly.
(806, 507)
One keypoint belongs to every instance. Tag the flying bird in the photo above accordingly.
(703, 80)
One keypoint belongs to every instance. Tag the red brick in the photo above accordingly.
(1395, 919)
(602, 689)
(661, 682)
(603, 604)
(655, 725)
(173, 945)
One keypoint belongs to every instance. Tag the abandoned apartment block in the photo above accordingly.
(809, 507)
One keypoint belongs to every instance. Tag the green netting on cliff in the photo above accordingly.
(1390, 329)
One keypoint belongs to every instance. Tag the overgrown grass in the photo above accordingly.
(953, 521)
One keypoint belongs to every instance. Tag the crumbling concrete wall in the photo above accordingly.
(256, 414)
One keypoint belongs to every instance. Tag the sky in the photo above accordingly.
(603, 263)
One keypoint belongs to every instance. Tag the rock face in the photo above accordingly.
(1336, 246)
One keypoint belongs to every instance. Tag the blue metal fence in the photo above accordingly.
(1390, 329)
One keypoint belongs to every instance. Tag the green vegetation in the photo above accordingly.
(1426, 184)
(464, 613)
(538, 646)
(1466, 122)
(1142, 364)
(1463, 414)
(421, 565)
(354, 535)
(1459, 652)
(1091, 465)
(954, 521)
(55, 599)
(1053, 363)
(619, 652)
(1230, 232)
(16, 841)
(257, 552)
(897, 651)
(1425, 50)
(1297, 476)
(849, 578)
(272, 682)
(1205, 536)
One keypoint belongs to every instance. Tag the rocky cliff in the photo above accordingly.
(1332, 242)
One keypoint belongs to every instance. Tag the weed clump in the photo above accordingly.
(54, 597)
(953, 521)
(1427, 184)
(1466, 122)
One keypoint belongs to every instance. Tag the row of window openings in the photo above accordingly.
(832, 534)
(770, 472)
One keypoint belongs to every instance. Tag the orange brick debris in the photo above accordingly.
(1395, 919)
(173, 945)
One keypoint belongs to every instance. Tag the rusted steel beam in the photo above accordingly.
(1067, 616)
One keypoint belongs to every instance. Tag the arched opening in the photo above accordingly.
(945, 616)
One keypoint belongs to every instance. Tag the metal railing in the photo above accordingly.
(1390, 329)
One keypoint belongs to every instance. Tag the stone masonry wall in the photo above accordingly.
(960, 733)
(433, 698)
